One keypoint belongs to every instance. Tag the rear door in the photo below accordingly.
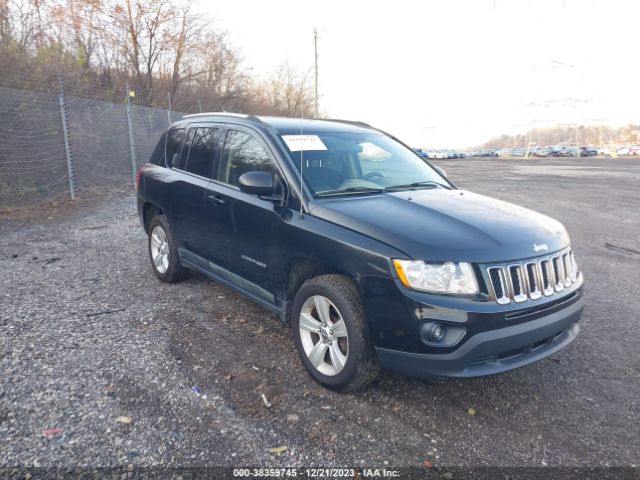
(192, 175)
(240, 225)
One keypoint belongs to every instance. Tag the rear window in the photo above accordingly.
(202, 152)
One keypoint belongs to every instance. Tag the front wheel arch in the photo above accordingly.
(362, 363)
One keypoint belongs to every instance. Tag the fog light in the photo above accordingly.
(438, 332)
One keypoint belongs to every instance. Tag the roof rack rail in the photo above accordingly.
(226, 114)
(350, 122)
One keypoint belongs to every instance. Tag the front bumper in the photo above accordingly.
(492, 351)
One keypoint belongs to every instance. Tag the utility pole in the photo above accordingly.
(315, 50)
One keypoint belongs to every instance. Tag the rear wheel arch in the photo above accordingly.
(149, 211)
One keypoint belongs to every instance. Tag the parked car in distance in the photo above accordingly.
(634, 150)
(540, 152)
(369, 253)
(623, 150)
(588, 151)
(421, 152)
(568, 152)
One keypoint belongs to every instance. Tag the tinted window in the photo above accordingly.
(173, 144)
(157, 157)
(242, 153)
(184, 153)
(202, 153)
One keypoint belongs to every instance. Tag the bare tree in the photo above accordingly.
(83, 20)
(22, 22)
(144, 27)
(159, 47)
(5, 22)
(287, 92)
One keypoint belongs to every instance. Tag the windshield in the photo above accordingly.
(358, 163)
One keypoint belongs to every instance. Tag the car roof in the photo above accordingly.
(286, 125)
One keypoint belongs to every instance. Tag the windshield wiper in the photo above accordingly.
(425, 184)
(351, 191)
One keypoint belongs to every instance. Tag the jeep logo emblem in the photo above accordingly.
(540, 247)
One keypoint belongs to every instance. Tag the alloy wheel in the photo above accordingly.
(324, 335)
(160, 249)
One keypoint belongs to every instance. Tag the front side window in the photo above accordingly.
(202, 152)
(242, 153)
(353, 163)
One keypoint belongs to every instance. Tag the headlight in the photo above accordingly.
(448, 277)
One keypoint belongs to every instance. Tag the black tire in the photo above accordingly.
(175, 271)
(362, 365)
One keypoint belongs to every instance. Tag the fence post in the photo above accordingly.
(67, 144)
(132, 144)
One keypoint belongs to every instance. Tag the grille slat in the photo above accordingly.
(566, 263)
(500, 287)
(532, 280)
(533, 277)
(518, 283)
(558, 271)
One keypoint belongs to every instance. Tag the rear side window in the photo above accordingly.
(202, 152)
(242, 153)
(184, 153)
(172, 148)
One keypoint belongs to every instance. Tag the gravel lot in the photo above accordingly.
(66, 364)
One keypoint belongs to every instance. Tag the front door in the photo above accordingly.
(240, 225)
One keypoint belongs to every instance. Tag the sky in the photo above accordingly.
(451, 73)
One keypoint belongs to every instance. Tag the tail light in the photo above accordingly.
(138, 172)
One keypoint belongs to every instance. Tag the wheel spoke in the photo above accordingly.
(322, 307)
(316, 354)
(338, 359)
(308, 323)
(165, 262)
(155, 240)
(158, 260)
(339, 329)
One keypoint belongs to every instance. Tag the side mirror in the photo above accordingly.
(441, 171)
(257, 183)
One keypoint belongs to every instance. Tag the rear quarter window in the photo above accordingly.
(157, 157)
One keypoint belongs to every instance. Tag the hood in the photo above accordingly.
(446, 225)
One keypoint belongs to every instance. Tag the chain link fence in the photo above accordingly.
(55, 146)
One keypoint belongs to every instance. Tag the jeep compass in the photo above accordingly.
(367, 251)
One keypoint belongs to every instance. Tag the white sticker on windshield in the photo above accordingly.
(297, 143)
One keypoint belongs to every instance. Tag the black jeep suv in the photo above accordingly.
(367, 251)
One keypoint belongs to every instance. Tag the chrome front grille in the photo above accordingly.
(533, 279)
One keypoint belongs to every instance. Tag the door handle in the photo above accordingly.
(217, 200)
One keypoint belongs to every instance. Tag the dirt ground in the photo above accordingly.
(89, 335)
